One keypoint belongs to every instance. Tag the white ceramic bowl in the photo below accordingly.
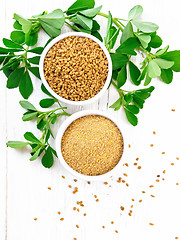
(55, 40)
(60, 133)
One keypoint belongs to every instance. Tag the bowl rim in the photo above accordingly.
(63, 128)
(108, 79)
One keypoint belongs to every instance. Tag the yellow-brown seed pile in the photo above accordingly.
(92, 145)
(76, 68)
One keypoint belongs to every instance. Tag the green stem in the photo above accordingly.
(117, 23)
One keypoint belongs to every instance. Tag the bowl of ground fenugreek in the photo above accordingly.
(90, 145)
(76, 68)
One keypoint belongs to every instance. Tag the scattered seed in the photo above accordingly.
(151, 186)
(151, 145)
(35, 219)
(112, 222)
(127, 184)
(152, 196)
(85, 214)
(77, 226)
(131, 206)
(116, 231)
(177, 158)
(70, 186)
(125, 174)
(139, 167)
(137, 159)
(157, 180)
(140, 200)
(97, 200)
(59, 213)
(106, 183)
(129, 145)
(133, 199)
(172, 164)
(177, 183)
(75, 180)
(173, 110)
(74, 208)
(163, 152)
(154, 132)
(143, 192)
(63, 177)
(164, 171)
(103, 226)
(89, 182)
(61, 219)
(122, 208)
(129, 214)
(152, 224)
(127, 165)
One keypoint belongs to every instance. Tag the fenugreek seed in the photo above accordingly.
(85, 214)
(164, 171)
(123, 181)
(75, 180)
(116, 231)
(163, 152)
(157, 180)
(130, 214)
(137, 159)
(152, 224)
(97, 200)
(154, 132)
(125, 174)
(70, 186)
(177, 183)
(126, 164)
(158, 175)
(59, 213)
(74, 208)
(173, 110)
(151, 145)
(89, 182)
(176, 238)
(61, 219)
(172, 164)
(75, 238)
(143, 192)
(122, 208)
(129, 145)
(35, 219)
(131, 206)
(140, 200)
(163, 179)
(177, 158)
(133, 199)
(106, 183)
(63, 177)
(103, 226)
(135, 164)
(95, 196)
(152, 196)
(49, 188)
(112, 222)
(139, 167)
(78, 209)
(77, 226)
(151, 186)
(127, 184)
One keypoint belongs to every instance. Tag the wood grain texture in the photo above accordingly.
(24, 193)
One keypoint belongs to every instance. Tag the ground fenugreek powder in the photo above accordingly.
(92, 145)
(76, 68)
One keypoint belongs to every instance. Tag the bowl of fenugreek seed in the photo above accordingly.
(76, 68)
(90, 145)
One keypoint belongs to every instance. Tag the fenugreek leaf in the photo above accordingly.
(53, 151)
(147, 80)
(128, 46)
(47, 160)
(52, 22)
(85, 22)
(161, 52)
(18, 36)
(127, 32)
(146, 27)
(91, 12)
(153, 69)
(122, 77)
(35, 71)
(118, 60)
(135, 12)
(31, 38)
(9, 50)
(166, 75)
(117, 105)
(132, 108)
(45, 90)
(25, 85)
(113, 34)
(138, 102)
(30, 137)
(97, 35)
(47, 102)
(10, 44)
(175, 57)
(134, 73)
(131, 117)
(80, 5)
(17, 26)
(155, 42)
(17, 144)
(34, 60)
(164, 64)
(37, 50)
(109, 25)
(27, 105)
(35, 155)
(144, 40)
(25, 23)
(15, 77)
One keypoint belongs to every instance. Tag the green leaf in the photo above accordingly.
(118, 60)
(29, 116)
(16, 144)
(18, 36)
(80, 5)
(53, 151)
(113, 34)
(155, 42)
(127, 32)
(164, 64)
(35, 71)
(31, 39)
(161, 52)
(97, 35)
(109, 25)
(117, 105)
(128, 46)
(134, 73)
(127, 99)
(85, 22)
(144, 40)
(17, 26)
(48, 133)
(95, 26)
(25, 85)
(47, 102)
(52, 22)
(131, 117)
(135, 12)
(2, 58)
(47, 160)
(147, 80)
(146, 27)
(91, 12)
(143, 94)
(9, 50)
(78, 28)
(30, 137)
(142, 75)
(132, 108)
(175, 57)
(122, 77)
(45, 90)
(26, 24)
(166, 75)
(14, 78)
(27, 105)
(34, 60)
(37, 50)
(10, 44)
(138, 102)
(153, 69)
(35, 155)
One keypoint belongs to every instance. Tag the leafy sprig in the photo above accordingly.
(44, 120)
